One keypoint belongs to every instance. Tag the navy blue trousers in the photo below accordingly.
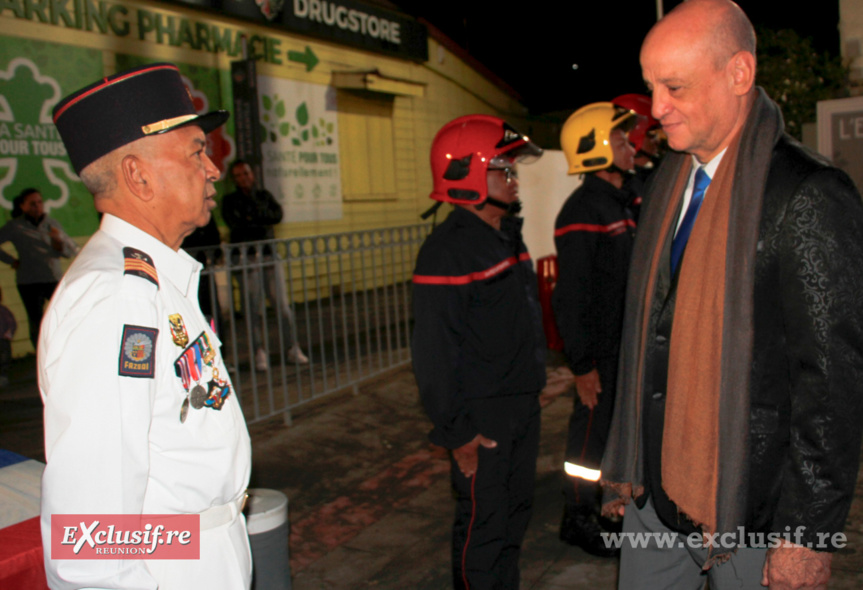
(588, 433)
(494, 506)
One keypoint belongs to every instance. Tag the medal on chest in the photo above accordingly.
(178, 330)
(192, 366)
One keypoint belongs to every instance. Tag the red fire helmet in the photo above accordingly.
(641, 104)
(463, 150)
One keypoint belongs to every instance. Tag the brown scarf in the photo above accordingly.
(705, 442)
(690, 444)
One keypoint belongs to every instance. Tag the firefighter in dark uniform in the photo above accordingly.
(593, 236)
(645, 137)
(478, 345)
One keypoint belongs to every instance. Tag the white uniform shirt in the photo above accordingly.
(114, 443)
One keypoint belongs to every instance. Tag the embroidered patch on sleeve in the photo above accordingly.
(138, 352)
(140, 264)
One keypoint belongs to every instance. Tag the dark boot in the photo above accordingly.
(581, 528)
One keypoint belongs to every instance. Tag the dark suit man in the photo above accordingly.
(738, 411)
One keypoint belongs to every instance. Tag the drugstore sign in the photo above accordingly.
(346, 22)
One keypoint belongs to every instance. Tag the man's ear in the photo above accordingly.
(137, 177)
(742, 66)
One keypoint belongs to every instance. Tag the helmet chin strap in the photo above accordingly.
(431, 210)
(513, 208)
(621, 171)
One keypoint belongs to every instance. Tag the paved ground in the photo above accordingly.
(370, 505)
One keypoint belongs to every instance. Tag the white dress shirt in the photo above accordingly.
(710, 168)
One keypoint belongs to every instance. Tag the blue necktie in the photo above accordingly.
(702, 181)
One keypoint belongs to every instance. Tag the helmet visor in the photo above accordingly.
(625, 119)
(526, 153)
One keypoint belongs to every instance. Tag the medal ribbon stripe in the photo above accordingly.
(207, 348)
(189, 367)
(194, 367)
(199, 356)
(182, 369)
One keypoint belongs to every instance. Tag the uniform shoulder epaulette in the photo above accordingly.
(140, 264)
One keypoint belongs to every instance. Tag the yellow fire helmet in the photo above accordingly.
(585, 137)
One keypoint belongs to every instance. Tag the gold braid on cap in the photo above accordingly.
(166, 124)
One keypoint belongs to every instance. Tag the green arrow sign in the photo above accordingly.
(304, 57)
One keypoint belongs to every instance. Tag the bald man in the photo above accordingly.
(739, 414)
(140, 417)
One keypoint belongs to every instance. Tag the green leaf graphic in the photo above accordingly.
(302, 114)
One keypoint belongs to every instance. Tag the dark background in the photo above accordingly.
(533, 45)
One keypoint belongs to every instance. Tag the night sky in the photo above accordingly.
(534, 50)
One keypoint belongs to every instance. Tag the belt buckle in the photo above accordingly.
(245, 500)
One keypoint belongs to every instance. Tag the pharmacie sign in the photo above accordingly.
(348, 23)
(119, 20)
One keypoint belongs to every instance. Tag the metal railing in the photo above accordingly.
(342, 299)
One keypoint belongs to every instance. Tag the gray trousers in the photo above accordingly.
(268, 281)
(678, 567)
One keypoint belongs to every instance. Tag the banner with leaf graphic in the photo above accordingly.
(34, 75)
(300, 147)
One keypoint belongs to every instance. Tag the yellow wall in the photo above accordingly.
(384, 139)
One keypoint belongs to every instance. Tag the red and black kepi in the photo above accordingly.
(125, 107)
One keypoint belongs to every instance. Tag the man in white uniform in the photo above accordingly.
(140, 414)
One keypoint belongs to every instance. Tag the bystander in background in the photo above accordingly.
(40, 243)
(251, 213)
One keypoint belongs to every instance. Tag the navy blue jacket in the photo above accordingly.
(478, 327)
(593, 235)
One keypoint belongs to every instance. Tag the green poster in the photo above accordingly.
(34, 76)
